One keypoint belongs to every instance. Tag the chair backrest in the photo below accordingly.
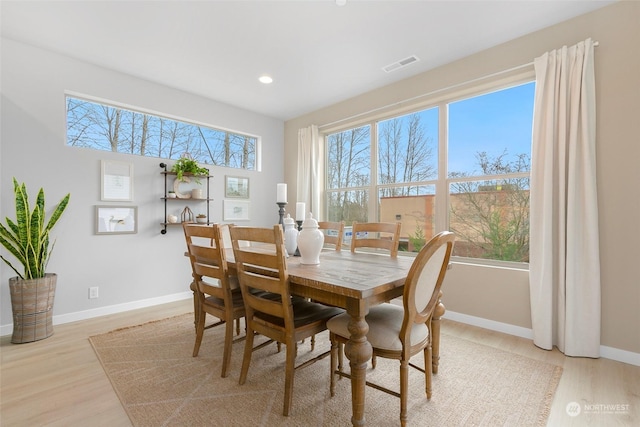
(207, 257)
(333, 232)
(380, 235)
(262, 272)
(422, 287)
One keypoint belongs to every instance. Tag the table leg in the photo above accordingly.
(435, 330)
(358, 350)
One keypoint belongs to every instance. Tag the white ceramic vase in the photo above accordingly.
(290, 235)
(310, 241)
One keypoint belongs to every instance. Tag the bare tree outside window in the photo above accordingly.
(104, 127)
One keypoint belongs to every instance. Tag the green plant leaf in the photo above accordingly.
(27, 238)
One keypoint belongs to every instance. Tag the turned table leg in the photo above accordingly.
(358, 350)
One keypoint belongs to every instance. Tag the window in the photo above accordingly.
(108, 128)
(475, 182)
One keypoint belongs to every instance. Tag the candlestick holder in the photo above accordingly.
(299, 222)
(281, 212)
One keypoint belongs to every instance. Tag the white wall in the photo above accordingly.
(130, 270)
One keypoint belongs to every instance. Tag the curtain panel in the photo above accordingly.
(309, 159)
(564, 265)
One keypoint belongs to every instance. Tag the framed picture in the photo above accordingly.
(117, 181)
(116, 219)
(236, 186)
(236, 210)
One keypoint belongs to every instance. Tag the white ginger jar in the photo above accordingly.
(310, 241)
(290, 235)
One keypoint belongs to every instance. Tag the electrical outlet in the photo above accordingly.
(93, 292)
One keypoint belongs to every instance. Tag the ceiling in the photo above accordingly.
(318, 53)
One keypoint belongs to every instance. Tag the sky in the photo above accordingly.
(492, 122)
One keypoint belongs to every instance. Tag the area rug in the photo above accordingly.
(160, 384)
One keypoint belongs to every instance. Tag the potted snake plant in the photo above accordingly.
(33, 289)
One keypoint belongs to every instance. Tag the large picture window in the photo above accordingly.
(104, 127)
(471, 178)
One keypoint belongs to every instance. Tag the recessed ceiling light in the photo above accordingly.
(265, 79)
(341, 2)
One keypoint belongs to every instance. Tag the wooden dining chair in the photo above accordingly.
(215, 291)
(401, 332)
(270, 308)
(333, 233)
(377, 235)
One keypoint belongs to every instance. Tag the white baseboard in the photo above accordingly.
(489, 324)
(606, 352)
(620, 355)
(112, 309)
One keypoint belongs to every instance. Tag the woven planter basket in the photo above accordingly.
(32, 305)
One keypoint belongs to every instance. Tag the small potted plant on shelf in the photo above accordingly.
(201, 218)
(33, 290)
(186, 164)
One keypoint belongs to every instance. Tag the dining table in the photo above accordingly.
(355, 281)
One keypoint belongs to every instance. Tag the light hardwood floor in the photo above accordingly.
(59, 381)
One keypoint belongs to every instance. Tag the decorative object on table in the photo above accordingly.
(300, 209)
(310, 241)
(187, 215)
(186, 164)
(112, 219)
(33, 291)
(117, 181)
(236, 187)
(281, 200)
(172, 219)
(281, 212)
(201, 219)
(290, 235)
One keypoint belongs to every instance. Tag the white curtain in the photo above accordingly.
(564, 248)
(308, 169)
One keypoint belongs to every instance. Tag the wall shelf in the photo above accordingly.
(168, 201)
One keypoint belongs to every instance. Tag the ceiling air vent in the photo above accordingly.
(399, 64)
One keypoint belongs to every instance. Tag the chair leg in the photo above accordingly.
(196, 304)
(334, 359)
(226, 354)
(200, 317)
(428, 375)
(288, 378)
(435, 335)
(238, 326)
(246, 359)
(340, 356)
(404, 391)
(373, 361)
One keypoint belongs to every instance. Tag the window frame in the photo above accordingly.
(141, 110)
(436, 99)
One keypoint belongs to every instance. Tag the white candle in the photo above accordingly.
(300, 208)
(282, 193)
